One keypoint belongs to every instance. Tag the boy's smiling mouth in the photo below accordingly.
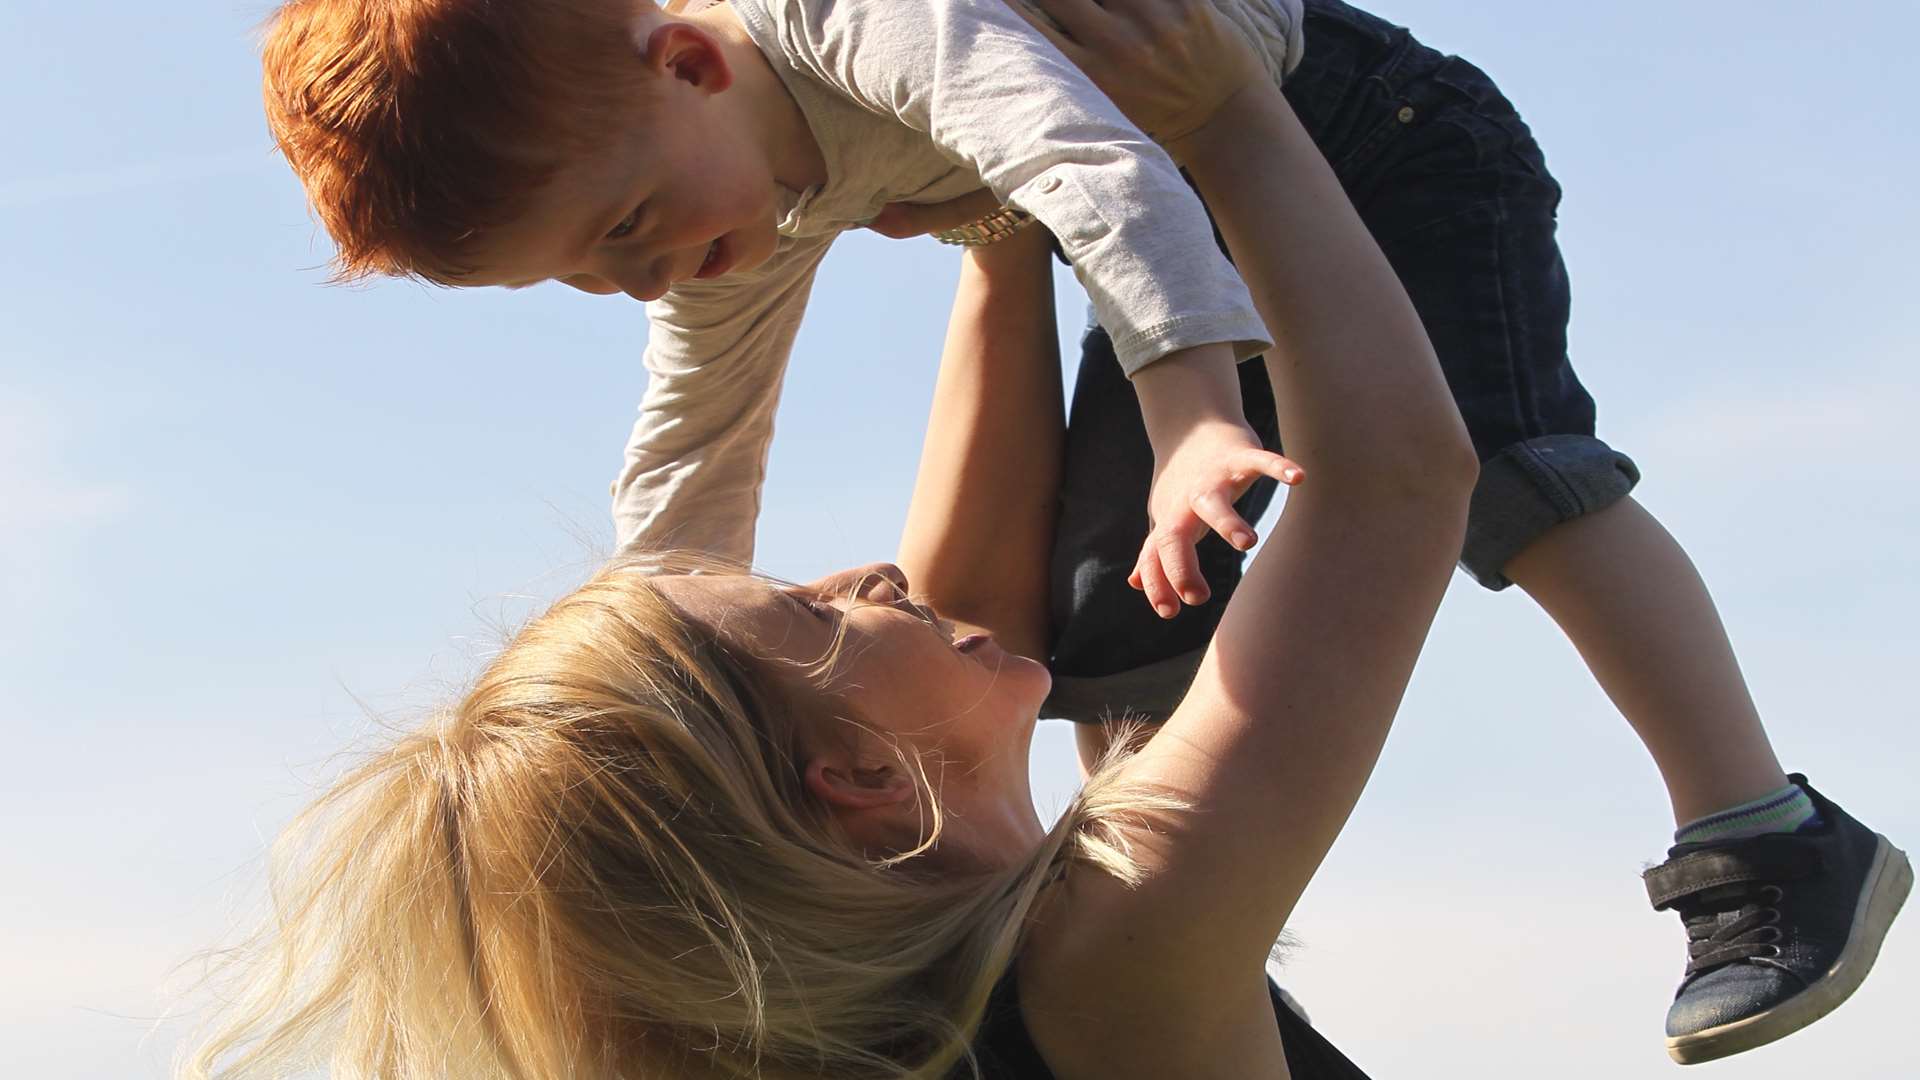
(718, 261)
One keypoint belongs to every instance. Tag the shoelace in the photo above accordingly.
(1714, 941)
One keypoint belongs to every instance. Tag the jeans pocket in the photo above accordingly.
(1505, 140)
(1390, 108)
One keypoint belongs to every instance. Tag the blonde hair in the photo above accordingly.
(602, 862)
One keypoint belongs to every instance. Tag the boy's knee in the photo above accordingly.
(1532, 486)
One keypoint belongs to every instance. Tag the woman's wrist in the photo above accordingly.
(1225, 133)
(1017, 259)
(1000, 225)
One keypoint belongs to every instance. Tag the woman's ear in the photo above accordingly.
(877, 806)
(848, 788)
(689, 54)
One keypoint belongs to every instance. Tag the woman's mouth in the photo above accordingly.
(971, 642)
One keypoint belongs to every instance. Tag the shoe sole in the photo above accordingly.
(1887, 887)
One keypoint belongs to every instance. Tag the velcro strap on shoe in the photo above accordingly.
(1769, 859)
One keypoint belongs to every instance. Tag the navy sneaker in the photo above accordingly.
(1780, 928)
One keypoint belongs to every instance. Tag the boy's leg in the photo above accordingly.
(1785, 897)
(1629, 598)
(1782, 926)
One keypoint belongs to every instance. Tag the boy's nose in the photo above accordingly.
(651, 280)
(647, 284)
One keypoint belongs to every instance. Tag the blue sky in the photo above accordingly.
(244, 516)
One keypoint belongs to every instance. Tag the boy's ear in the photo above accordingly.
(689, 54)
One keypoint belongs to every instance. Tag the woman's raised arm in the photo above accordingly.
(1290, 709)
(980, 526)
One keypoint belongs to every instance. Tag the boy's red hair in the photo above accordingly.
(416, 125)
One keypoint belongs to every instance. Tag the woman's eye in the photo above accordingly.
(625, 228)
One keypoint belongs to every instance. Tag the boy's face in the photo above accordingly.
(678, 190)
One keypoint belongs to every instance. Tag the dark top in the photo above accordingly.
(1006, 1050)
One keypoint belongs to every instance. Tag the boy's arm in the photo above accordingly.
(979, 532)
(993, 93)
(716, 355)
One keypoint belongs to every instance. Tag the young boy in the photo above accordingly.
(704, 160)
(1785, 897)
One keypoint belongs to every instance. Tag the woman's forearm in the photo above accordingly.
(980, 527)
(1293, 703)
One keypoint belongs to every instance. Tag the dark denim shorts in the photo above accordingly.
(1455, 190)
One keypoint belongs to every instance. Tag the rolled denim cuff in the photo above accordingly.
(1532, 486)
(1149, 693)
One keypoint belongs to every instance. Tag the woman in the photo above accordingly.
(705, 824)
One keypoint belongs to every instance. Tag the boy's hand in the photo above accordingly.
(1195, 485)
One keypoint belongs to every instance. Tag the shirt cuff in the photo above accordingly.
(1244, 331)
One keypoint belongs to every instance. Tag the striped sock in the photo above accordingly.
(1784, 811)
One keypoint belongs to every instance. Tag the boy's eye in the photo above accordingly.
(625, 228)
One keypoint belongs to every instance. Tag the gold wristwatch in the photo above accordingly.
(991, 229)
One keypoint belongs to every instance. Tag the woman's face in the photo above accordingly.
(911, 680)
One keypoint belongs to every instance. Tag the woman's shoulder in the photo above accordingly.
(1087, 1009)
(1003, 1046)
(1036, 1031)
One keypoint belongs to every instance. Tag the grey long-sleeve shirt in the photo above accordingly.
(921, 101)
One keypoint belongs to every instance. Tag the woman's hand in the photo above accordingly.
(1169, 64)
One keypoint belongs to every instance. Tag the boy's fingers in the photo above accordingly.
(1217, 511)
(1153, 582)
(1181, 566)
(1158, 590)
(1268, 463)
(1152, 579)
